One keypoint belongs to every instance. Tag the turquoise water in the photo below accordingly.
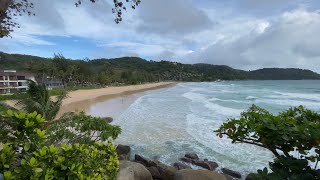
(166, 123)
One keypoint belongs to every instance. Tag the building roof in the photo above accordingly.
(11, 72)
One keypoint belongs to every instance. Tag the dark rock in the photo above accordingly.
(180, 166)
(154, 172)
(1, 177)
(123, 152)
(167, 172)
(231, 172)
(210, 165)
(133, 171)
(188, 174)
(145, 161)
(250, 176)
(188, 160)
(108, 119)
(193, 156)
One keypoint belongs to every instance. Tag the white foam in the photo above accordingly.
(251, 98)
(306, 96)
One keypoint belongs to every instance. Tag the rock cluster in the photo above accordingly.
(141, 168)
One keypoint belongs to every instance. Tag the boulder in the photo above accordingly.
(108, 119)
(145, 161)
(250, 176)
(231, 172)
(1, 177)
(167, 172)
(206, 164)
(154, 172)
(123, 152)
(188, 160)
(188, 174)
(133, 171)
(193, 156)
(180, 166)
(228, 176)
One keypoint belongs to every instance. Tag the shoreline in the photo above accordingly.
(81, 100)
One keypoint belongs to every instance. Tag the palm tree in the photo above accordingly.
(38, 99)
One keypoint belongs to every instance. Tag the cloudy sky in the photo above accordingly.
(246, 34)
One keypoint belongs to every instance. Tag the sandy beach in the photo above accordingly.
(81, 100)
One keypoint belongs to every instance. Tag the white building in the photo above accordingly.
(13, 82)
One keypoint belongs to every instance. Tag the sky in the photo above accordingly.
(244, 34)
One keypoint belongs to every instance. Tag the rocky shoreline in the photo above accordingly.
(141, 168)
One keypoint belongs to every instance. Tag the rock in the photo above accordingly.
(228, 176)
(1, 177)
(145, 161)
(250, 176)
(188, 160)
(123, 152)
(210, 165)
(154, 172)
(108, 119)
(133, 171)
(188, 174)
(180, 166)
(231, 172)
(193, 156)
(141, 159)
(167, 172)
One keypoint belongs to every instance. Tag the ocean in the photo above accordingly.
(164, 124)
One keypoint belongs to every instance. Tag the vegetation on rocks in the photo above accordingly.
(295, 130)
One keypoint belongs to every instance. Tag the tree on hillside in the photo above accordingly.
(9, 9)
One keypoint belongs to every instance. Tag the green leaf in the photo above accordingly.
(53, 149)
(27, 146)
(37, 170)
(43, 151)
(33, 162)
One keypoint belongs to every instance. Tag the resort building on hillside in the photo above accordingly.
(13, 82)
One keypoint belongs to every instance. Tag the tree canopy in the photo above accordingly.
(295, 130)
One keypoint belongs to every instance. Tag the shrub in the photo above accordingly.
(26, 153)
(296, 129)
(80, 128)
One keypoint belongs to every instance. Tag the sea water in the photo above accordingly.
(166, 123)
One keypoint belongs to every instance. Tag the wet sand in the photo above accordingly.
(114, 98)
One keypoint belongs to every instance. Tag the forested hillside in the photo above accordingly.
(132, 70)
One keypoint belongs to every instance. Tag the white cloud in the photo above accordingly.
(288, 41)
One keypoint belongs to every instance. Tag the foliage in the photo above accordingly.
(38, 100)
(80, 128)
(13, 8)
(20, 129)
(25, 154)
(296, 129)
(10, 9)
(287, 168)
(11, 97)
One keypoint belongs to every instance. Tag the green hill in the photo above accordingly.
(135, 70)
